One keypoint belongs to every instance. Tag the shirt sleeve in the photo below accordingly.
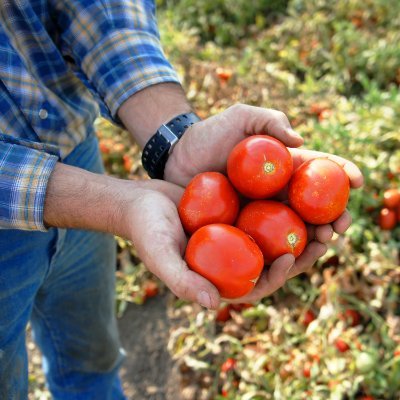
(25, 168)
(116, 44)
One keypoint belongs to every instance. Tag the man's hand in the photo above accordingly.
(157, 234)
(206, 145)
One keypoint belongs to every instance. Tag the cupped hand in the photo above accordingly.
(206, 145)
(155, 229)
(286, 266)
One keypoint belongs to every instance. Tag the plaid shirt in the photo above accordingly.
(61, 62)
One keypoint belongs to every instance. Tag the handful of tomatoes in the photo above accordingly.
(238, 225)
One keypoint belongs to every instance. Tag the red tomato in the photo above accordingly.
(223, 314)
(387, 219)
(341, 345)
(209, 198)
(319, 191)
(275, 228)
(309, 317)
(307, 369)
(150, 289)
(259, 166)
(227, 257)
(398, 213)
(391, 198)
(228, 365)
(353, 317)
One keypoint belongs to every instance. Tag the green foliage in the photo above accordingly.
(223, 21)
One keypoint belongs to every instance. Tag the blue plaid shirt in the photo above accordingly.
(61, 62)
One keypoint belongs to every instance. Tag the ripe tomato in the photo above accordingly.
(209, 198)
(391, 198)
(259, 166)
(275, 228)
(227, 257)
(319, 191)
(309, 317)
(387, 219)
(341, 345)
(352, 317)
(150, 289)
(223, 314)
(228, 365)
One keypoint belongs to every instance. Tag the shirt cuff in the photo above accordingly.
(24, 175)
(125, 62)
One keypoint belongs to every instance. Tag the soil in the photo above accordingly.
(149, 373)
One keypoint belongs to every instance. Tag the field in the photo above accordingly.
(334, 69)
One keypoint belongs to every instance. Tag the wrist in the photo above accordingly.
(144, 112)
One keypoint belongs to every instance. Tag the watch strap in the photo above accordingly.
(157, 149)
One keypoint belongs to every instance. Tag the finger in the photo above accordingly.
(323, 233)
(352, 171)
(160, 243)
(308, 258)
(341, 225)
(270, 280)
(256, 120)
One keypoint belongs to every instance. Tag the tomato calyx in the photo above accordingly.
(268, 167)
(292, 240)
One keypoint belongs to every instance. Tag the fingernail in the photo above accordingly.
(295, 134)
(204, 299)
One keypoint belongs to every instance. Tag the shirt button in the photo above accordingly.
(43, 114)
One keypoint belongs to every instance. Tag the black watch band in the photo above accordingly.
(157, 149)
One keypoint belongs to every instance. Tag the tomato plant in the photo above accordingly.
(319, 191)
(209, 198)
(275, 228)
(391, 198)
(259, 166)
(227, 257)
(387, 219)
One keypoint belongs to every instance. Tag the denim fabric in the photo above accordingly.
(63, 282)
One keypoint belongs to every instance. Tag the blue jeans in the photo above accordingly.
(63, 282)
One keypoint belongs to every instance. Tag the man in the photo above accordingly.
(60, 60)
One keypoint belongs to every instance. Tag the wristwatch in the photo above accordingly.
(159, 147)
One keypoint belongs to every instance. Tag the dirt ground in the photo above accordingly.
(149, 372)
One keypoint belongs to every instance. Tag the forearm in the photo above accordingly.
(144, 112)
(79, 199)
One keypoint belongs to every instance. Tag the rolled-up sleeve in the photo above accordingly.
(25, 169)
(116, 44)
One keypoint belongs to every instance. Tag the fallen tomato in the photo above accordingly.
(319, 191)
(391, 198)
(228, 365)
(341, 345)
(352, 317)
(259, 166)
(150, 289)
(387, 219)
(275, 228)
(209, 198)
(223, 314)
(309, 317)
(227, 257)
